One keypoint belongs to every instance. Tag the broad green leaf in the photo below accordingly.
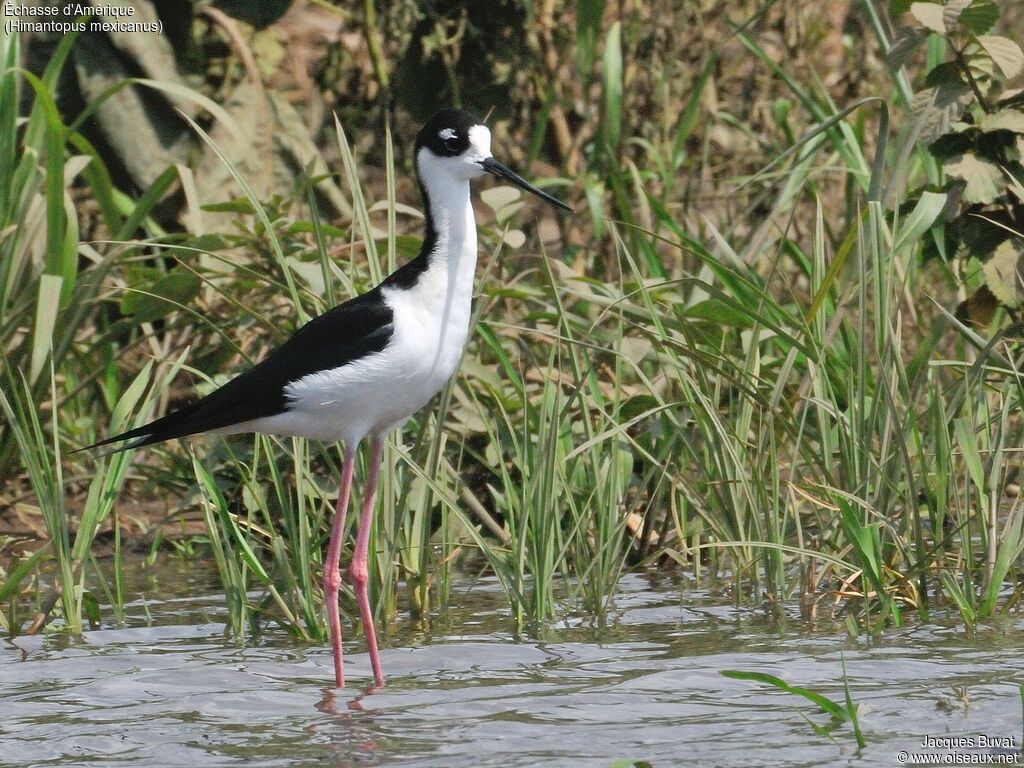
(1004, 52)
(170, 292)
(979, 16)
(956, 142)
(930, 16)
(984, 179)
(981, 234)
(308, 226)
(947, 73)
(980, 63)
(1002, 272)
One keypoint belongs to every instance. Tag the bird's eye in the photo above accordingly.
(449, 138)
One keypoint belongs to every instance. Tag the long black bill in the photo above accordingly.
(493, 166)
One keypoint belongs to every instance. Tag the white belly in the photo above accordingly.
(378, 392)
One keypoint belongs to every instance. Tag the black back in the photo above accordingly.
(350, 331)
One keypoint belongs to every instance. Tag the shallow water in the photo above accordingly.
(172, 690)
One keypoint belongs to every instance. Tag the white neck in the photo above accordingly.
(433, 313)
(455, 251)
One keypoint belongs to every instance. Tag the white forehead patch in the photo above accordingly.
(446, 133)
(480, 140)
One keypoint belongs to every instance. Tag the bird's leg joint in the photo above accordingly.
(332, 579)
(359, 572)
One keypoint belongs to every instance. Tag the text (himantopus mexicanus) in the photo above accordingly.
(363, 368)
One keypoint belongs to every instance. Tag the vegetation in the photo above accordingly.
(840, 713)
(743, 356)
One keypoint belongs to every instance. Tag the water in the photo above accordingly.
(468, 693)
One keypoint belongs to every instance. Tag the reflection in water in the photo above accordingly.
(328, 703)
(645, 687)
(343, 735)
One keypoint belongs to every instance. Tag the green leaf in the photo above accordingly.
(47, 308)
(588, 26)
(153, 194)
(718, 312)
(866, 544)
(91, 607)
(930, 16)
(611, 77)
(952, 144)
(17, 572)
(309, 227)
(688, 118)
(827, 705)
(920, 220)
(968, 443)
(238, 205)
(897, 7)
(406, 246)
(947, 73)
(963, 603)
(1004, 52)
(984, 179)
(504, 200)
(981, 234)
(167, 294)
(1003, 274)
(979, 16)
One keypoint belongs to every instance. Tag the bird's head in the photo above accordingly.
(456, 145)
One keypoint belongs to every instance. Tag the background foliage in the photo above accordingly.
(775, 345)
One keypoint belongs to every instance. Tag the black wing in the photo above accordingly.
(359, 327)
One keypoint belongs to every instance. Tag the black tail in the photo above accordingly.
(359, 327)
(190, 420)
(242, 399)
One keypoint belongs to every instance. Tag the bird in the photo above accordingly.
(363, 368)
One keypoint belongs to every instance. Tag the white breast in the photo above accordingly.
(430, 325)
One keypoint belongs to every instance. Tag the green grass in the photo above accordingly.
(772, 397)
(839, 713)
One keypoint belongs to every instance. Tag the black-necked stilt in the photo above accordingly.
(363, 368)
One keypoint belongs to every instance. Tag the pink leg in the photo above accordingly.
(332, 576)
(360, 570)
